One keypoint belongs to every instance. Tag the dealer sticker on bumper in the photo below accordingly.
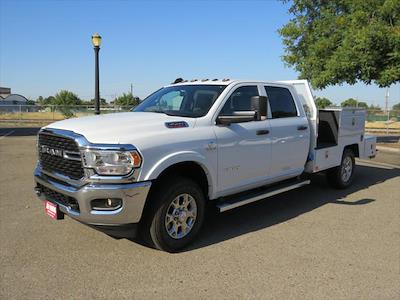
(53, 211)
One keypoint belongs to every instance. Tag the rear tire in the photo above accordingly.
(342, 176)
(176, 214)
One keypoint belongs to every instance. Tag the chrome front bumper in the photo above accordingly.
(133, 197)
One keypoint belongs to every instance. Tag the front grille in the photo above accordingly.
(58, 197)
(53, 163)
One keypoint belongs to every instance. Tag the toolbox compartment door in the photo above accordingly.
(369, 149)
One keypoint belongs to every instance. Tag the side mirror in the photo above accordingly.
(259, 105)
(237, 117)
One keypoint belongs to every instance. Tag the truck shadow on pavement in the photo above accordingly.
(281, 208)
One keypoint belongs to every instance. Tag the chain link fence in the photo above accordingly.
(383, 122)
(37, 115)
(380, 115)
(40, 115)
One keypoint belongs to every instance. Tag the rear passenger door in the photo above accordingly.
(290, 133)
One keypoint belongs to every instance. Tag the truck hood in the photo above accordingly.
(122, 128)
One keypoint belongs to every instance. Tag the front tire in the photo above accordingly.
(342, 176)
(176, 214)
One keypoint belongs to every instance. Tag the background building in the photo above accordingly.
(14, 102)
(4, 92)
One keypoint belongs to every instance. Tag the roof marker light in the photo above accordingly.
(178, 80)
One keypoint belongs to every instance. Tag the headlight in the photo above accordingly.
(106, 162)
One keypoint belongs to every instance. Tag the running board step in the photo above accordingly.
(247, 198)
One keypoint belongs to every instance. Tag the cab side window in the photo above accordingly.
(240, 100)
(281, 102)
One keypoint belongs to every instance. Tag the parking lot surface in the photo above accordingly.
(311, 243)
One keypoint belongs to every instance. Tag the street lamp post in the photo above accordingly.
(96, 40)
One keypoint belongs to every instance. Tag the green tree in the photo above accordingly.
(322, 102)
(362, 105)
(103, 102)
(349, 103)
(396, 106)
(126, 100)
(49, 100)
(344, 41)
(66, 100)
(375, 107)
(45, 101)
(40, 100)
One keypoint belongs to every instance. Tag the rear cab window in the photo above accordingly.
(281, 102)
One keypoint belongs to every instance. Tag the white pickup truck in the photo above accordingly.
(154, 169)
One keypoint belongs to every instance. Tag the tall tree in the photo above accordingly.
(349, 103)
(322, 102)
(126, 100)
(362, 105)
(45, 101)
(66, 98)
(375, 107)
(344, 41)
(103, 102)
(40, 100)
(49, 100)
(396, 106)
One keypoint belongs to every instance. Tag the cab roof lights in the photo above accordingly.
(181, 80)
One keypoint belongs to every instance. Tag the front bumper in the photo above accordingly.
(133, 197)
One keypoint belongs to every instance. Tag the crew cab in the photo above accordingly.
(153, 170)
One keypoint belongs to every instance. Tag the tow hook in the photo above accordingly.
(38, 191)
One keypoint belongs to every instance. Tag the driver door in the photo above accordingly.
(244, 149)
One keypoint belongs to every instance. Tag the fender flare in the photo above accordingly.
(180, 157)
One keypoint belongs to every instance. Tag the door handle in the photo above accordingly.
(302, 127)
(261, 132)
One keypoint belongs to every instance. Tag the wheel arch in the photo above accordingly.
(353, 147)
(186, 164)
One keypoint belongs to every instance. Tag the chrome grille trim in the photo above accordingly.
(89, 175)
(55, 152)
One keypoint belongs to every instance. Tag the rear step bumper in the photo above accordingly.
(259, 194)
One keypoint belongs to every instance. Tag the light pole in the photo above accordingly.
(96, 41)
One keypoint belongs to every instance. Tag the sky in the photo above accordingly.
(45, 46)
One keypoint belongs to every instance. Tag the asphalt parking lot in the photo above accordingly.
(311, 243)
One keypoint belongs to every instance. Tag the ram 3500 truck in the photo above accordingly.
(154, 169)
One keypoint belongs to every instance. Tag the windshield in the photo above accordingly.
(183, 100)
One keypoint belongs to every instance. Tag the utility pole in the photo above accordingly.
(131, 89)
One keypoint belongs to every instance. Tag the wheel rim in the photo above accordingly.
(181, 216)
(347, 168)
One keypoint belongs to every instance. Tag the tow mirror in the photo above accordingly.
(237, 117)
(259, 106)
